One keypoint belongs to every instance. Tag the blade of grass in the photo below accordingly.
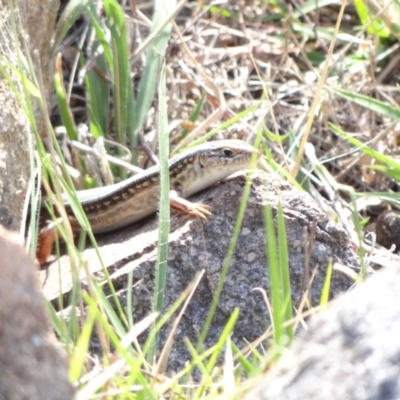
(222, 127)
(273, 267)
(370, 103)
(154, 54)
(227, 331)
(356, 218)
(223, 340)
(123, 350)
(392, 198)
(373, 25)
(393, 173)
(72, 11)
(164, 214)
(326, 288)
(101, 36)
(366, 149)
(318, 93)
(99, 98)
(25, 75)
(167, 315)
(122, 83)
(247, 366)
(195, 114)
(232, 245)
(164, 354)
(65, 111)
(79, 352)
(313, 5)
(284, 273)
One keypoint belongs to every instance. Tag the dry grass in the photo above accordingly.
(236, 54)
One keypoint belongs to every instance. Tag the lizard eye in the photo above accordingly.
(228, 152)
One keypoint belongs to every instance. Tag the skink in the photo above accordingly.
(118, 205)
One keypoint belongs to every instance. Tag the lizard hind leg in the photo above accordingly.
(47, 236)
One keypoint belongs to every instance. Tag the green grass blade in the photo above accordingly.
(219, 346)
(122, 83)
(284, 273)
(154, 57)
(273, 266)
(313, 5)
(373, 25)
(327, 284)
(247, 366)
(222, 127)
(195, 114)
(65, 110)
(393, 173)
(100, 35)
(392, 198)
(231, 247)
(164, 215)
(99, 99)
(365, 149)
(71, 13)
(81, 348)
(370, 103)
(217, 350)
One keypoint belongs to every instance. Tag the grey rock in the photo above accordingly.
(34, 21)
(195, 245)
(350, 351)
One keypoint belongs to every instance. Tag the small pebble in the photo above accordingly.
(388, 229)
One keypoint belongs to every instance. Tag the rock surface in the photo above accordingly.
(195, 245)
(31, 365)
(35, 21)
(351, 351)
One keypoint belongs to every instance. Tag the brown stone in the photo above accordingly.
(31, 364)
(388, 229)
